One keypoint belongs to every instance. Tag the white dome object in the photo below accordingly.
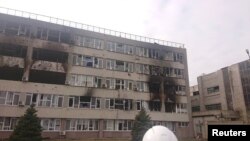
(159, 133)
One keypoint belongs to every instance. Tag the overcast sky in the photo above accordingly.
(215, 32)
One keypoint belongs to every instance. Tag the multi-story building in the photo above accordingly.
(87, 81)
(221, 97)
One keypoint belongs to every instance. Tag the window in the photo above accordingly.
(142, 68)
(84, 102)
(180, 90)
(7, 123)
(213, 107)
(119, 84)
(111, 46)
(82, 125)
(153, 53)
(98, 62)
(195, 108)
(178, 73)
(123, 125)
(213, 89)
(51, 124)
(178, 57)
(9, 98)
(42, 33)
(98, 82)
(109, 125)
(119, 47)
(110, 64)
(183, 124)
(81, 80)
(196, 93)
(143, 52)
(142, 86)
(181, 108)
(44, 100)
(138, 105)
(110, 83)
(119, 65)
(154, 70)
(31, 99)
(89, 42)
(121, 104)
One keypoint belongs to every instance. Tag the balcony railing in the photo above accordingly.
(87, 27)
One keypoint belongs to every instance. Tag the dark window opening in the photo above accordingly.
(119, 104)
(11, 73)
(169, 107)
(53, 35)
(49, 55)
(65, 37)
(196, 93)
(154, 105)
(13, 50)
(47, 77)
(11, 29)
(196, 109)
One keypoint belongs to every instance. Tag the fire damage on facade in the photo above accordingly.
(81, 67)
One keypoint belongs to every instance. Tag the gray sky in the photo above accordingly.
(215, 32)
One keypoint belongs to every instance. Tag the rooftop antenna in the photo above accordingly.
(248, 53)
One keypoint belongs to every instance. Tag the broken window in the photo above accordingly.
(65, 37)
(24, 30)
(11, 28)
(42, 33)
(49, 55)
(74, 101)
(154, 105)
(31, 99)
(85, 102)
(53, 35)
(180, 90)
(13, 50)
(154, 70)
(170, 107)
(49, 77)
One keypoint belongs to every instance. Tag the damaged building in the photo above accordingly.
(86, 81)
